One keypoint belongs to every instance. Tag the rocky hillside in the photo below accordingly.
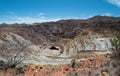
(61, 39)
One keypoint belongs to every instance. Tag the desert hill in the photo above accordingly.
(61, 39)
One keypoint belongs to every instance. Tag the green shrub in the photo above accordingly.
(116, 42)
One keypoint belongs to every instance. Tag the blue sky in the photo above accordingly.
(30, 11)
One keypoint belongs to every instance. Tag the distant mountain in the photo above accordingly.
(98, 17)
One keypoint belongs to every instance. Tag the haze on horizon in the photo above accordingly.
(32, 11)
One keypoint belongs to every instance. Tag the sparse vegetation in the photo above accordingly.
(116, 42)
(116, 50)
(116, 46)
(12, 60)
(17, 58)
(73, 61)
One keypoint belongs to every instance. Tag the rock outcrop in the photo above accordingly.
(93, 43)
(100, 65)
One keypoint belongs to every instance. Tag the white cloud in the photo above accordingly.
(41, 14)
(107, 14)
(115, 2)
(11, 13)
(27, 19)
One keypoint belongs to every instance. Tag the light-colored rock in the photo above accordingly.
(88, 44)
(10, 41)
(43, 55)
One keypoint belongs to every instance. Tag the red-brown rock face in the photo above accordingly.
(8, 72)
(92, 66)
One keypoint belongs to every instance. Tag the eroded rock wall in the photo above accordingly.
(92, 43)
